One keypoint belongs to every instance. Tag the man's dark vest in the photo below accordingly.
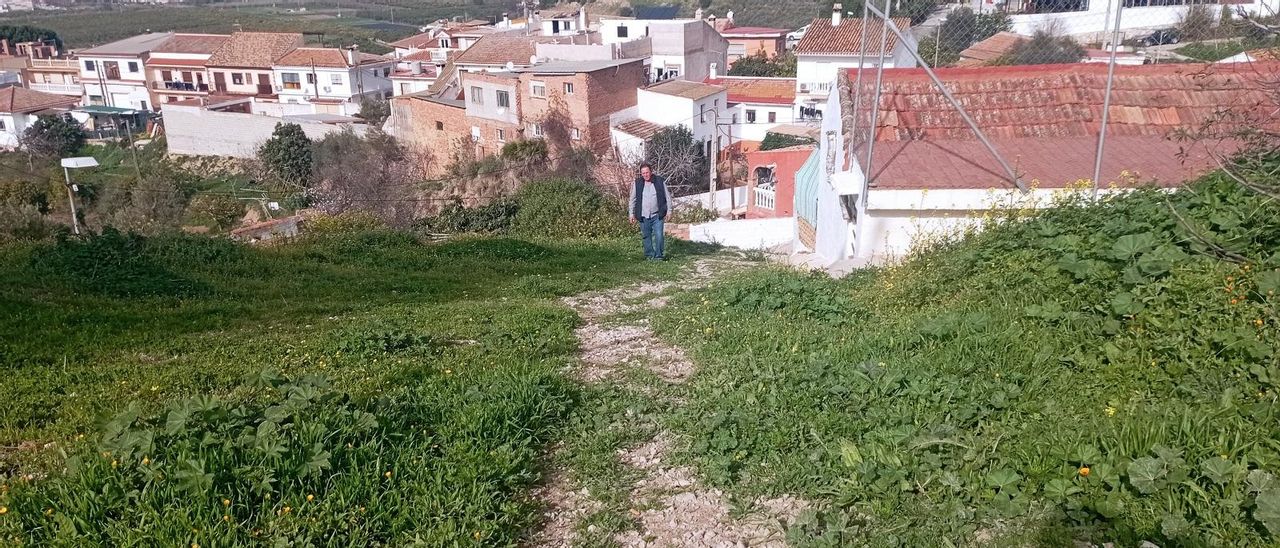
(659, 186)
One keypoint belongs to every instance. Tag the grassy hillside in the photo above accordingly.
(358, 388)
(1097, 372)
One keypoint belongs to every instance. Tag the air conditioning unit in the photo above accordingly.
(279, 89)
(804, 88)
(327, 88)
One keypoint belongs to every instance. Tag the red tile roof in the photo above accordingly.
(685, 89)
(643, 129)
(775, 91)
(846, 39)
(1044, 119)
(763, 32)
(986, 51)
(499, 49)
(325, 57)
(254, 49)
(192, 43)
(417, 41)
(20, 100)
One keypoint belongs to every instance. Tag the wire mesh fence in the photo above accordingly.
(1091, 92)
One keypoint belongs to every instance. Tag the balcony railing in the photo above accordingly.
(764, 198)
(180, 86)
(815, 87)
(59, 89)
(68, 64)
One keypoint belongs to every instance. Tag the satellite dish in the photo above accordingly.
(511, 65)
(533, 59)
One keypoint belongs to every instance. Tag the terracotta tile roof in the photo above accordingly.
(418, 56)
(423, 40)
(776, 91)
(500, 49)
(742, 32)
(991, 49)
(643, 129)
(254, 49)
(686, 89)
(1044, 120)
(846, 39)
(192, 43)
(325, 57)
(20, 100)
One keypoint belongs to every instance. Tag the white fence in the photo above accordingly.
(198, 132)
(746, 233)
(764, 198)
(723, 203)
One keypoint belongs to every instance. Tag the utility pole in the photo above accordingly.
(71, 197)
(137, 168)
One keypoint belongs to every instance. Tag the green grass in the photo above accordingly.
(440, 364)
(1217, 51)
(959, 397)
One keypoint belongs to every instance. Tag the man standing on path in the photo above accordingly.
(648, 206)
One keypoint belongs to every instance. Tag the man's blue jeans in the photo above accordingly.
(651, 232)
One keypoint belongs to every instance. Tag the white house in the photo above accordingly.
(442, 40)
(932, 177)
(757, 104)
(413, 73)
(694, 105)
(331, 80)
(561, 22)
(114, 74)
(830, 46)
(242, 64)
(1089, 21)
(19, 108)
(687, 49)
(177, 68)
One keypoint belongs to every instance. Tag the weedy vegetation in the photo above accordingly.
(1105, 372)
(354, 387)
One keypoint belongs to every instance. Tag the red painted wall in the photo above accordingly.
(787, 162)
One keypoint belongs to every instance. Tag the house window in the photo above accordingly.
(95, 100)
(622, 31)
(444, 43)
(311, 78)
(335, 79)
(238, 79)
(386, 72)
(568, 88)
(735, 117)
(504, 99)
(702, 113)
(538, 89)
(405, 88)
(536, 130)
(773, 117)
(477, 95)
(166, 75)
(90, 66)
(502, 135)
(3, 127)
(575, 134)
(439, 125)
(291, 80)
(751, 116)
(133, 66)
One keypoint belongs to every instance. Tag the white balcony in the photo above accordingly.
(764, 198)
(57, 89)
(815, 88)
(64, 64)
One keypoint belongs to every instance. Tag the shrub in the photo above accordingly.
(773, 141)
(692, 213)
(525, 150)
(222, 212)
(1197, 22)
(24, 222)
(1044, 48)
(758, 64)
(492, 218)
(566, 208)
(114, 264)
(351, 222)
(375, 110)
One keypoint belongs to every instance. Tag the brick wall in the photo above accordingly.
(429, 126)
(595, 96)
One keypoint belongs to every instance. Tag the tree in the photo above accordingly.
(773, 141)
(373, 174)
(27, 33)
(1044, 48)
(222, 211)
(375, 110)
(53, 136)
(758, 64)
(962, 28)
(1196, 23)
(287, 155)
(674, 155)
(917, 10)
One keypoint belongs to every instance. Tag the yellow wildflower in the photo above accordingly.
(1084, 471)
(226, 502)
(388, 474)
(311, 498)
(4, 510)
(1111, 411)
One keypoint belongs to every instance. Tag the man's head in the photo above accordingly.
(646, 172)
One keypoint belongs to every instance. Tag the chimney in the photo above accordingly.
(697, 14)
(729, 16)
(351, 55)
(415, 68)
(506, 21)
(714, 70)
(582, 19)
(837, 10)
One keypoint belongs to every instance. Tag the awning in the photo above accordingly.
(104, 109)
